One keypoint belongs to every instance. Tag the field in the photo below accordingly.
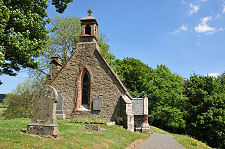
(71, 135)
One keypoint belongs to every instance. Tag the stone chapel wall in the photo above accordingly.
(104, 85)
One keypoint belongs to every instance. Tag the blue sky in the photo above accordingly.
(186, 35)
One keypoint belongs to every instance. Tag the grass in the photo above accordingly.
(90, 120)
(186, 141)
(71, 135)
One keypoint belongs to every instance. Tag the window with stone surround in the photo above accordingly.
(83, 102)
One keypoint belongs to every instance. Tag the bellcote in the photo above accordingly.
(89, 28)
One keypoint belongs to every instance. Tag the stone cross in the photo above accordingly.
(44, 119)
(90, 11)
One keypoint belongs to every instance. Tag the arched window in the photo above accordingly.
(85, 90)
(88, 30)
(84, 87)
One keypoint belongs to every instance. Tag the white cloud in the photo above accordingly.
(203, 27)
(221, 29)
(202, 0)
(223, 11)
(213, 74)
(193, 9)
(206, 19)
(182, 28)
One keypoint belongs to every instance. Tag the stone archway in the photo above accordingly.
(84, 89)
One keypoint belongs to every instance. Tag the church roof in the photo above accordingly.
(88, 18)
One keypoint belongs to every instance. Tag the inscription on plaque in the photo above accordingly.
(97, 105)
(138, 107)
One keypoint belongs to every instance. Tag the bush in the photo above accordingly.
(20, 102)
(169, 118)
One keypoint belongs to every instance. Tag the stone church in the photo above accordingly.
(90, 88)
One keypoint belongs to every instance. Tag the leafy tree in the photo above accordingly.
(135, 75)
(23, 33)
(104, 48)
(167, 102)
(222, 78)
(20, 102)
(63, 38)
(206, 109)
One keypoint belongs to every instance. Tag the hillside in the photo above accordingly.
(71, 135)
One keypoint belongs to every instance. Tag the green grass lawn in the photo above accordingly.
(186, 141)
(71, 135)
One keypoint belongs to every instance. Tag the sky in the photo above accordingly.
(188, 36)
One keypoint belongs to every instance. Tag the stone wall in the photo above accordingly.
(104, 85)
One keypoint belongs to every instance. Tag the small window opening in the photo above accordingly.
(88, 30)
(85, 90)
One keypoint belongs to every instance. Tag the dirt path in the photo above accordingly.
(159, 141)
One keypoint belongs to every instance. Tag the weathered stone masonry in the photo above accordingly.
(103, 83)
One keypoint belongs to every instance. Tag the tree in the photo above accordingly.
(20, 102)
(222, 78)
(62, 41)
(206, 109)
(65, 34)
(167, 103)
(135, 75)
(23, 32)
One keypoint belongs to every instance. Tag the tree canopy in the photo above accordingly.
(206, 109)
(23, 32)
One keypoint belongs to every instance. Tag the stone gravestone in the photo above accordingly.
(44, 119)
(59, 108)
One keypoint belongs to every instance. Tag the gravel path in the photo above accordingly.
(159, 141)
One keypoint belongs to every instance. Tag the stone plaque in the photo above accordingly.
(44, 119)
(97, 105)
(59, 106)
(138, 107)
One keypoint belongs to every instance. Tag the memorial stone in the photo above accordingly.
(44, 119)
(97, 104)
(59, 108)
(138, 107)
